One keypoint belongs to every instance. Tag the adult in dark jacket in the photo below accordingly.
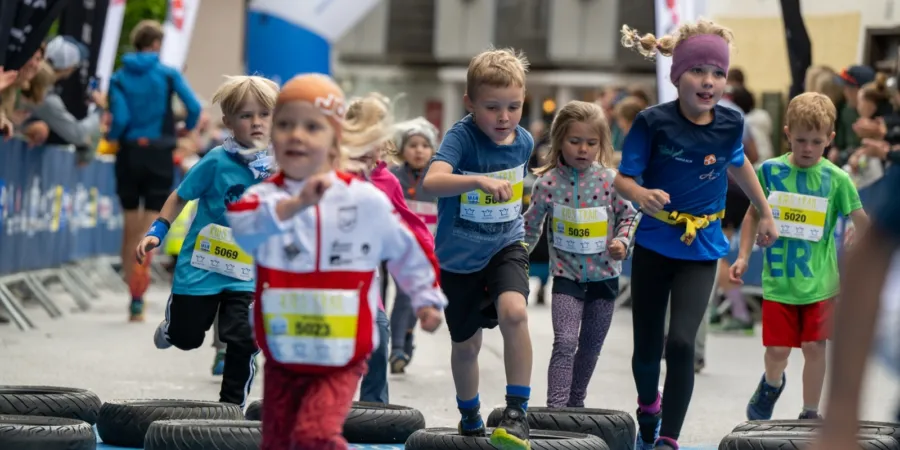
(140, 95)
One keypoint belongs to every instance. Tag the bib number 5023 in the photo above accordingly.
(228, 253)
(579, 232)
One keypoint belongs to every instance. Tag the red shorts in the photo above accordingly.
(791, 325)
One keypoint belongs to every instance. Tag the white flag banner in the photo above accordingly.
(180, 18)
(327, 18)
(670, 14)
(109, 46)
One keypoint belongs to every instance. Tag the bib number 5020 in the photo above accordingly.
(228, 253)
(579, 232)
(795, 217)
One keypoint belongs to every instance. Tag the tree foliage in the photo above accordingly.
(136, 11)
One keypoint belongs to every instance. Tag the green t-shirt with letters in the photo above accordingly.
(801, 266)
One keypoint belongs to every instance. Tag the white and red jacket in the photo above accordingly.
(316, 301)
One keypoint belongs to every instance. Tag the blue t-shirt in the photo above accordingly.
(885, 205)
(217, 180)
(664, 150)
(469, 235)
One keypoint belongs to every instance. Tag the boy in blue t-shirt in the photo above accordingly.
(213, 275)
(479, 173)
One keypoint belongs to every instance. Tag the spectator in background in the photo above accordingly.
(625, 112)
(846, 141)
(140, 96)
(758, 122)
(735, 78)
(11, 102)
(640, 94)
(64, 56)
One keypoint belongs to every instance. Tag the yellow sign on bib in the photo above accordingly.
(581, 231)
(216, 251)
(479, 206)
(311, 326)
(799, 216)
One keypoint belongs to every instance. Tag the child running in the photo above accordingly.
(213, 275)
(478, 174)
(318, 236)
(683, 152)
(576, 190)
(366, 139)
(808, 194)
(416, 141)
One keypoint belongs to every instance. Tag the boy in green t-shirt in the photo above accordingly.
(807, 194)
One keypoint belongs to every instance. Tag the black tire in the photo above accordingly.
(371, 423)
(787, 440)
(45, 433)
(377, 423)
(865, 427)
(254, 411)
(124, 423)
(203, 435)
(449, 439)
(50, 401)
(616, 428)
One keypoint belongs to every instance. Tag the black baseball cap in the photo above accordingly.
(856, 76)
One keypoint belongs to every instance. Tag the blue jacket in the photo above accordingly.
(139, 98)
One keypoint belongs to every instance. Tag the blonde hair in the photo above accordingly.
(811, 111)
(236, 90)
(368, 123)
(145, 33)
(578, 111)
(649, 45)
(821, 79)
(629, 107)
(876, 91)
(41, 83)
(496, 68)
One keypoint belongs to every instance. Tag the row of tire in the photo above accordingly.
(51, 418)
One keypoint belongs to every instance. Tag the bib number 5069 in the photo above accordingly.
(230, 254)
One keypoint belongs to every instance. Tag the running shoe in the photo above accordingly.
(136, 311)
(512, 433)
(159, 337)
(648, 429)
(218, 367)
(810, 415)
(398, 362)
(762, 404)
(471, 423)
(664, 443)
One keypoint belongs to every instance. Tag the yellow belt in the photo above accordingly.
(691, 222)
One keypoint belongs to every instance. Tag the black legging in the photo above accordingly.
(653, 278)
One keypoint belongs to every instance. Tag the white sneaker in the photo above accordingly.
(159, 337)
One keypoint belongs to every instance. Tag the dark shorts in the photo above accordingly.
(472, 297)
(736, 204)
(144, 173)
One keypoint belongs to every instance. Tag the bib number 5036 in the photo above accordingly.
(227, 253)
(579, 232)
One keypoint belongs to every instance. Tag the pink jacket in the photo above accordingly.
(386, 182)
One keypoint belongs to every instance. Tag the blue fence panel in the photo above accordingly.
(53, 211)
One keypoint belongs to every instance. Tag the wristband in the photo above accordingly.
(159, 228)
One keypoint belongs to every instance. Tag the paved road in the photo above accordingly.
(99, 350)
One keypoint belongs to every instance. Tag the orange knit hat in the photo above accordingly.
(321, 91)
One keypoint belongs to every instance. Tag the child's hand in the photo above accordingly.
(499, 189)
(147, 244)
(652, 201)
(736, 272)
(616, 250)
(429, 318)
(767, 233)
(314, 190)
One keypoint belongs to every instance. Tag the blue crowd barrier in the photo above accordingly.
(53, 211)
(753, 276)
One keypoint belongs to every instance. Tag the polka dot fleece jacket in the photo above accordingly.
(590, 188)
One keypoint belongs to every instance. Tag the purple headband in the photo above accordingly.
(698, 50)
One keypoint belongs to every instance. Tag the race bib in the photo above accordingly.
(579, 230)
(427, 211)
(479, 206)
(216, 251)
(799, 216)
(311, 326)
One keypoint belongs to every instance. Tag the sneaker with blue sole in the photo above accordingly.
(762, 404)
(218, 367)
(648, 430)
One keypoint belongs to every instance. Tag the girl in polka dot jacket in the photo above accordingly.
(590, 231)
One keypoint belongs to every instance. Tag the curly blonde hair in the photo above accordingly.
(578, 111)
(368, 126)
(649, 45)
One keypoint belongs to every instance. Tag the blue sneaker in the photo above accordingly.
(218, 367)
(762, 404)
(648, 430)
